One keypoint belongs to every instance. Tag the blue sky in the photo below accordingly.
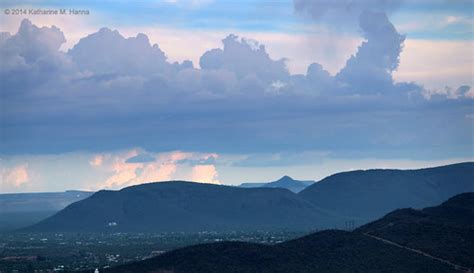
(305, 88)
(260, 15)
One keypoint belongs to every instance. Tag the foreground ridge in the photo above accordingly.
(391, 245)
(456, 266)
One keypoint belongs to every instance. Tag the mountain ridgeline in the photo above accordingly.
(368, 195)
(437, 239)
(357, 197)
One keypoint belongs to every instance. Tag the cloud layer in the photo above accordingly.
(109, 92)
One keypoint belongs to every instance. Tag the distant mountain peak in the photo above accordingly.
(285, 182)
(285, 178)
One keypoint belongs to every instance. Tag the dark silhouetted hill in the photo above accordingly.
(187, 206)
(445, 231)
(327, 251)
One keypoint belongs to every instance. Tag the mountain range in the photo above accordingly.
(436, 239)
(356, 196)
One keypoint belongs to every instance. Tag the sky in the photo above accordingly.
(117, 93)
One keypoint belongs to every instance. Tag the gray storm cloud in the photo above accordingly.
(110, 92)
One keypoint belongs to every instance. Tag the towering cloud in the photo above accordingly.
(370, 70)
(30, 57)
(100, 53)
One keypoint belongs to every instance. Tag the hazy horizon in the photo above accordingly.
(263, 180)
